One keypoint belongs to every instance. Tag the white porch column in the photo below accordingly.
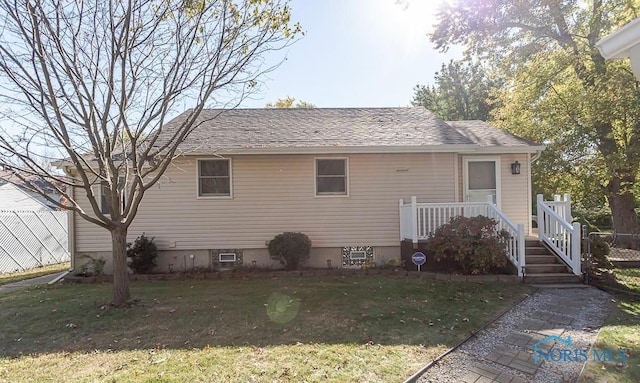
(414, 219)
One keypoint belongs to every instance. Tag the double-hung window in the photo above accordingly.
(214, 178)
(105, 203)
(331, 176)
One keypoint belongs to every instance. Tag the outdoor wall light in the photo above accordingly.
(254, 264)
(515, 168)
(328, 263)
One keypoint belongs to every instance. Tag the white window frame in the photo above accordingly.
(364, 254)
(235, 257)
(315, 178)
(465, 175)
(225, 196)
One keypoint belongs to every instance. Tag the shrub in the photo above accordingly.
(600, 250)
(96, 265)
(292, 249)
(143, 253)
(472, 244)
(596, 219)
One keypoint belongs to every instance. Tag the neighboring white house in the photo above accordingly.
(33, 233)
(13, 198)
(623, 43)
(337, 175)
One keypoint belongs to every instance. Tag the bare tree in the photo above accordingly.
(97, 81)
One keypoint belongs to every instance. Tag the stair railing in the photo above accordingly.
(515, 243)
(557, 232)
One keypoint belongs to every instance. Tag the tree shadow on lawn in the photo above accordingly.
(266, 312)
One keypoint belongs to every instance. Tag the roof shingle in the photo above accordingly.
(334, 127)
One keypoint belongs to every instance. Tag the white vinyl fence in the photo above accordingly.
(30, 239)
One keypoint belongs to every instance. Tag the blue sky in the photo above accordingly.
(357, 53)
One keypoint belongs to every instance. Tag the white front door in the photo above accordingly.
(481, 179)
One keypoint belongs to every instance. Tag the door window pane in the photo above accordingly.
(482, 175)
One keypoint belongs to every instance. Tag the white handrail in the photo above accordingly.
(515, 243)
(560, 235)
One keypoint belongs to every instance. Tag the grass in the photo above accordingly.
(316, 329)
(6, 278)
(629, 278)
(621, 330)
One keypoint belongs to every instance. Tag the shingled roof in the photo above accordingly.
(485, 135)
(345, 129)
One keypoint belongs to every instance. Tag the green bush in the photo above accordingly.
(143, 253)
(96, 265)
(473, 244)
(596, 219)
(292, 249)
(600, 250)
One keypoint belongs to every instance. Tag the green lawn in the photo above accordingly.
(32, 273)
(621, 330)
(312, 329)
(629, 278)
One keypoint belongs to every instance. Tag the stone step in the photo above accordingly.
(536, 250)
(539, 258)
(546, 278)
(546, 268)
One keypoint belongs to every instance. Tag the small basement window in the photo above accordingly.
(227, 257)
(358, 255)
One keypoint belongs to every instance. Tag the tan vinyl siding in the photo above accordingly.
(275, 193)
(515, 203)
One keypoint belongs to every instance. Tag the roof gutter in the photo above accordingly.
(623, 43)
(370, 150)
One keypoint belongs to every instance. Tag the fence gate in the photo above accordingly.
(30, 239)
(613, 261)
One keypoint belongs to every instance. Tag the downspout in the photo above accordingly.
(71, 237)
(71, 227)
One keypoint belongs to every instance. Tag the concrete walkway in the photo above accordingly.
(42, 280)
(513, 349)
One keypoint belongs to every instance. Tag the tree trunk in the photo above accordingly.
(120, 272)
(623, 215)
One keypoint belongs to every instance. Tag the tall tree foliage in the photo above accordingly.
(562, 92)
(289, 102)
(462, 91)
(96, 81)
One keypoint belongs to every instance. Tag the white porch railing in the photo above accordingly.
(515, 243)
(419, 220)
(561, 205)
(556, 230)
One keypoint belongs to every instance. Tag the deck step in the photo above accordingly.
(546, 268)
(538, 250)
(538, 258)
(552, 278)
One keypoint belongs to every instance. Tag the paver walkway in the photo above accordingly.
(41, 280)
(513, 349)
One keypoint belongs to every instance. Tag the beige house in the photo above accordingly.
(344, 177)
